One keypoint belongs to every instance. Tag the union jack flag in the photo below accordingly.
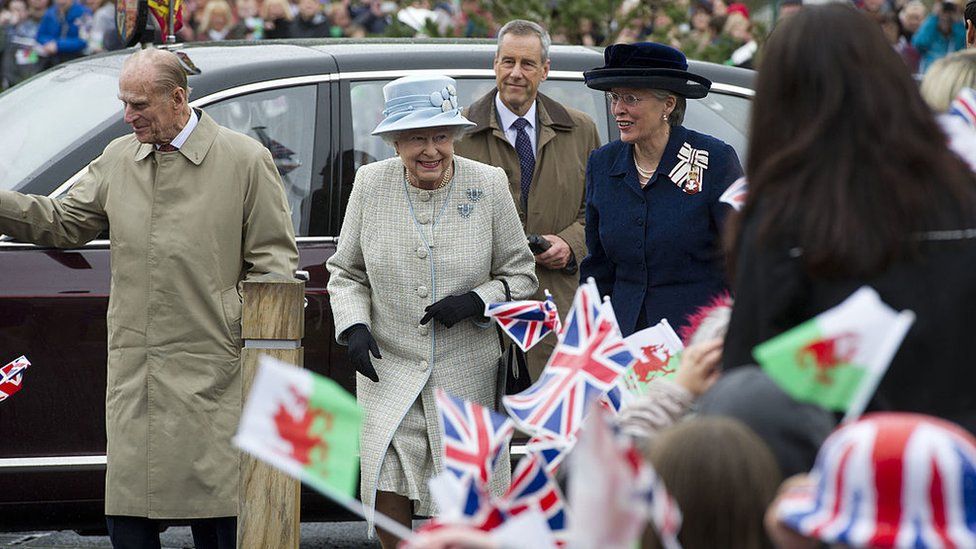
(614, 491)
(551, 450)
(588, 359)
(964, 106)
(473, 437)
(654, 500)
(890, 480)
(533, 487)
(532, 490)
(735, 195)
(526, 322)
(12, 377)
(616, 397)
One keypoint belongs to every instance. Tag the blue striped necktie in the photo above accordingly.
(523, 146)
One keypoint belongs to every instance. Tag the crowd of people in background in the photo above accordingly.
(38, 34)
(835, 201)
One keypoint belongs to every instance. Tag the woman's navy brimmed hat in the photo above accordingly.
(647, 65)
(419, 102)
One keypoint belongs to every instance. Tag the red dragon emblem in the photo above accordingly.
(656, 364)
(827, 354)
(298, 430)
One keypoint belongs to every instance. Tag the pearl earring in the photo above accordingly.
(665, 117)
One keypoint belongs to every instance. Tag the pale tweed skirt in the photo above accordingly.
(409, 462)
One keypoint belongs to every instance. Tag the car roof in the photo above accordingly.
(234, 63)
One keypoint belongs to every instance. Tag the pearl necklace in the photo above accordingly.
(644, 174)
(444, 180)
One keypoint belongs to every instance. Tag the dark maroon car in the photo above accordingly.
(313, 104)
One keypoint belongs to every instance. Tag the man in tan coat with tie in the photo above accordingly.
(194, 210)
(543, 147)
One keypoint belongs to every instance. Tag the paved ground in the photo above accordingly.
(321, 535)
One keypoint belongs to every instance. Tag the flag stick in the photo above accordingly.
(170, 37)
(357, 507)
(886, 352)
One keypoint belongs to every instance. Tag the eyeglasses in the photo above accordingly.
(629, 99)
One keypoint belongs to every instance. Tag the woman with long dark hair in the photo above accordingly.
(851, 183)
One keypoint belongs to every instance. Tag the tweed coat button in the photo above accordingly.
(422, 291)
(425, 196)
(421, 252)
(423, 329)
(423, 219)
(424, 364)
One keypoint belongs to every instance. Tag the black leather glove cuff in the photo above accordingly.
(454, 308)
(355, 329)
(473, 306)
(360, 344)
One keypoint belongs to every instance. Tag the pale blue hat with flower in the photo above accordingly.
(421, 101)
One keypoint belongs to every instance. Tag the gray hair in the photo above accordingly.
(677, 115)
(169, 72)
(521, 27)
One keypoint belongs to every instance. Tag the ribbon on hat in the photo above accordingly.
(689, 172)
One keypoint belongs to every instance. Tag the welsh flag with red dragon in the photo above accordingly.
(304, 424)
(836, 359)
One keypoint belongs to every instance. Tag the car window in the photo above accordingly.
(367, 109)
(53, 113)
(280, 120)
(723, 116)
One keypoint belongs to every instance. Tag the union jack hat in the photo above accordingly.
(890, 480)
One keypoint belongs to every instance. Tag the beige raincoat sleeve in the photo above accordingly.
(269, 237)
(66, 222)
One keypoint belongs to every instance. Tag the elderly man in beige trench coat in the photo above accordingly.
(194, 209)
(550, 199)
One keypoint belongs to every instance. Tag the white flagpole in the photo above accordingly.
(357, 507)
(879, 366)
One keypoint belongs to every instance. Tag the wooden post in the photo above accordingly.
(273, 323)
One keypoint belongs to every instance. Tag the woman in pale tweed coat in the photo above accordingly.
(426, 240)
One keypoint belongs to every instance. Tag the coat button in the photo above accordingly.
(423, 219)
(425, 196)
(421, 252)
(640, 244)
(423, 329)
(422, 291)
(640, 220)
(424, 365)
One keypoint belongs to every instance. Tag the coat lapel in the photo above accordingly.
(201, 139)
(622, 169)
(197, 145)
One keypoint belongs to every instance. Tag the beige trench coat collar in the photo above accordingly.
(197, 145)
(552, 117)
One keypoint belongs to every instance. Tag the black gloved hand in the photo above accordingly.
(361, 344)
(454, 308)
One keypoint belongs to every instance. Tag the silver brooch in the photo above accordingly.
(474, 195)
(465, 210)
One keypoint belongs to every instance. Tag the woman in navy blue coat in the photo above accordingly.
(653, 214)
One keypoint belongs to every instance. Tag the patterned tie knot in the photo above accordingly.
(167, 148)
(520, 124)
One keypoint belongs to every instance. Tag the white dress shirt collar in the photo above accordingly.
(506, 117)
(184, 134)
